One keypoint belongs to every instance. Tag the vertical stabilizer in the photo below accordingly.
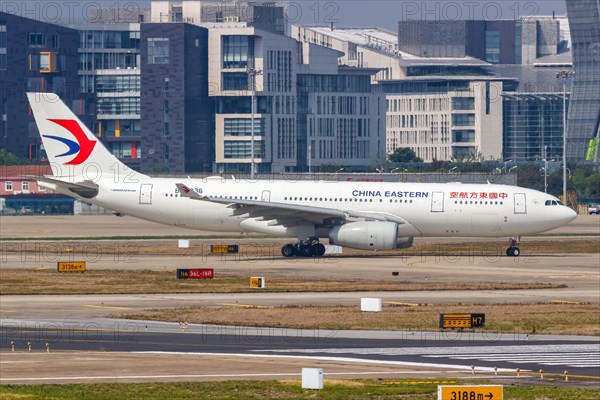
(72, 149)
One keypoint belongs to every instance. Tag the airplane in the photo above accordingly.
(360, 215)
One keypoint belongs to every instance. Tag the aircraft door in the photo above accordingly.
(266, 195)
(146, 193)
(437, 202)
(520, 203)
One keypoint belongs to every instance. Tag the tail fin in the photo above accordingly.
(72, 149)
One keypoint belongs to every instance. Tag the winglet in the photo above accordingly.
(189, 193)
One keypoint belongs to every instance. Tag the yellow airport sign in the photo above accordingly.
(72, 266)
(257, 282)
(224, 248)
(475, 392)
(462, 321)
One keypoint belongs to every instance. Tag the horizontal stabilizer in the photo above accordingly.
(86, 189)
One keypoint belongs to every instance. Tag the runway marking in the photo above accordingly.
(113, 307)
(337, 359)
(8, 311)
(241, 305)
(402, 304)
(577, 356)
(567, 302)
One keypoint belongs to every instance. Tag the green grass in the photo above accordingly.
(413, 389)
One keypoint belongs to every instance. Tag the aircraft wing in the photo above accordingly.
(284, 214)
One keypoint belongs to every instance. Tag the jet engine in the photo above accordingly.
(367, 235)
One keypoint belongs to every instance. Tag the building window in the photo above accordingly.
(235, 81)
(55, 40)
(518, 43)
(126, 149)
(463, 119)
(2, 36)
(25, 185)
(463, 103)
(120, 128)
(158, 51)
(243, 127)
(8, 186)
(492, 46)
(117, 83)
(463, 151)
(237, 50)
(177, 14)
(119, 106)
(463, 136)
(242, 149)
(3, 62)
(35, 39)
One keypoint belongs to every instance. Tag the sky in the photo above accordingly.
(358, 13)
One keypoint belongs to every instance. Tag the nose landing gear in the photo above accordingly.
(304, 248)
(513, 249)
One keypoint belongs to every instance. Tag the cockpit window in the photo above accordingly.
(560, 203)
(553, 203)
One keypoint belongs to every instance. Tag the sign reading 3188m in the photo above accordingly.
(474, 392)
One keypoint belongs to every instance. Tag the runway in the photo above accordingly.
(452, 352)
(87, 346)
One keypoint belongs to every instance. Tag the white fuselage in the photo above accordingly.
(445, 209)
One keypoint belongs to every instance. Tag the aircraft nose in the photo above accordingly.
(569, 214)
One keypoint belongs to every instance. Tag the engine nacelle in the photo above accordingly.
(368, 235)
(404, 242)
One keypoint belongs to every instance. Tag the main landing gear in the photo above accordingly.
(513, 249)
(304, 248)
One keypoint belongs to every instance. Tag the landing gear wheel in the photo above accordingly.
(513, 249)
(319, 249)
(513, 252)
(306, 251)
(288, 250)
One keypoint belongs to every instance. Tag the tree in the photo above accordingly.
(404, 155)
(8, 158)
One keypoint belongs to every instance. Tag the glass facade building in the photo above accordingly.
(584, 110)
(110, 85)
(532, 122)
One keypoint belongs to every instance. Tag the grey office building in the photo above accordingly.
(35, 57)
(520, 41)
(584, 112)
(177, 113)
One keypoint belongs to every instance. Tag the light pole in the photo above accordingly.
(545, 170)
(252, 72)
(564, 75)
